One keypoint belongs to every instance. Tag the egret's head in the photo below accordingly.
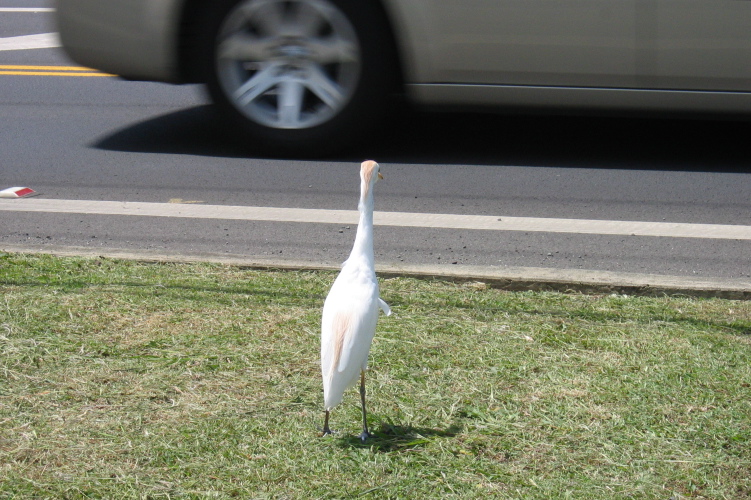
(370, 172)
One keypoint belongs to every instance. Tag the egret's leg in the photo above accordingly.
(365, 434)
(326, 429)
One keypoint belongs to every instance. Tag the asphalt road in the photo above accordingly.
(100, 138)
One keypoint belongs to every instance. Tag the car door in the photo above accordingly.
(533, 42)
(694, 44)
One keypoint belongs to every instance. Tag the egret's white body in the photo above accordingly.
(350, 312)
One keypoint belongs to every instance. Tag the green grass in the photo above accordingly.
(130, 380)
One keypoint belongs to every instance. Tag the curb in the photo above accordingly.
(505, 278)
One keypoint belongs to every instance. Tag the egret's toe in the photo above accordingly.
(365, 435)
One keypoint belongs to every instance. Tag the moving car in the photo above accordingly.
(301, 75)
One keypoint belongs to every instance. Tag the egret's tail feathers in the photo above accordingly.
(333, 394)
(384, 307)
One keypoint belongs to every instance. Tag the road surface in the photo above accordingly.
(546, 194)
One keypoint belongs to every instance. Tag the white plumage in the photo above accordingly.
(350, 312)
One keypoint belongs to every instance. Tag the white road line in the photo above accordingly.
(27, 9)
(39, 41)
(403, 219)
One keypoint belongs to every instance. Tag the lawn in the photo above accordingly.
(122, 379)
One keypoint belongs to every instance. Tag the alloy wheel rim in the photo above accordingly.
(288, 64)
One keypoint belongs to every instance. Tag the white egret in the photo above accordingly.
(350, 312)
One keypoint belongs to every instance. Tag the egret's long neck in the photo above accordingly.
(364, 238)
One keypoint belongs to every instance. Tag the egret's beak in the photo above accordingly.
(380, 175)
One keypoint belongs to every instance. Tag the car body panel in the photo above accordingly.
(136, 39)
(412, 35)
(532, 42)
(695, 44)
(649, 44)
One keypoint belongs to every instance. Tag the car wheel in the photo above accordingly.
(300, 76)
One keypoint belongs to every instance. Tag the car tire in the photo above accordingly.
(300, 77)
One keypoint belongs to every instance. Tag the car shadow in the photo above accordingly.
(480, 139)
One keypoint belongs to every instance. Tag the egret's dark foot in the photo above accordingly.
(365, 435)
(326, 429)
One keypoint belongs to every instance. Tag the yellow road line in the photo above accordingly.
(6, 69)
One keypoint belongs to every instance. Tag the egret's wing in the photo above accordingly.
(330, 338)
(384, 306)
(334, 330)
(360, 328)
(348, 327)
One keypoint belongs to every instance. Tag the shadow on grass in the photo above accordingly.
(389, 437)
